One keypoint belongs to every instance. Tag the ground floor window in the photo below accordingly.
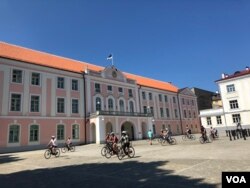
(60, 132)
(75, 131)
(236, 118)
(14, 133)
(34, 133)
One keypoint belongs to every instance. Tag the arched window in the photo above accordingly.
(98, 104)
(121, 104)
(60, 132)
(14, 133)
(131, 106)
(34, 133)
(110, 105)
(75, 131)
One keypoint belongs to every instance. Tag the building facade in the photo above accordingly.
(42, 95)
(235, 106)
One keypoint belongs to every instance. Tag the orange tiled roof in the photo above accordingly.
(40, 58)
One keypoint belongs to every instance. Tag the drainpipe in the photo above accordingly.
(85, 113)
(139, 95)
(179, 111)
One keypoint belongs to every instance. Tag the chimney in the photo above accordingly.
(223, 75)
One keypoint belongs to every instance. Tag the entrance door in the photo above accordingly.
(128, 126)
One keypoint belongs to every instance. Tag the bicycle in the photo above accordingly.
(206, 140)
(170, 140)
(188, 137)
(68, 148)
(129, 151)
(48, 152)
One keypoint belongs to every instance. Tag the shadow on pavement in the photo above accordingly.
(125, 174)
(8, 159)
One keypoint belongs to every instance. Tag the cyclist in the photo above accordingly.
(166, 134)
(68, 143)
(188, 132)
(212, 132)
(52, 144)
(124, 141)
(203, 133)
(114, 141)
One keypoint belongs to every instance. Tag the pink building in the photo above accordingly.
(42, 95)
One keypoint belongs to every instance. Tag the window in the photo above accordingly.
(60, 105)
(150, 96)
(98, 104)
(218, 118)
(167, 112)
(60, 82)
(236, 118)
(74, 85)
(185, 113)
(183, 101)
(120, 89)
(143, 95)
(230, 88)
(189, 114)
(75, 106)
(145, 109)
(17, 76)
(109, 88)
(152, 110)
(34, 104)
(110, 105)
(14, 132)
(60, 132)
(160, 97)
(121, 104)
(15, 103)
(130, 93)
(176, 113)
(161, 111)
(154, 129)
(34, 133)
(192, 102)
(97, 88)
(233, 104)
(194, 115)
(166, 98)
(35, 79)
(174, 100)
(187, 102)
(131, 106)
(209, 122)
(75, 131)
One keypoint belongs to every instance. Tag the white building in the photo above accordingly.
(235, 95)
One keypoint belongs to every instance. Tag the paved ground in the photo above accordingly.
(187, 164)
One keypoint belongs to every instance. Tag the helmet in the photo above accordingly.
(124, 132)
(112, 133)
(52, 136)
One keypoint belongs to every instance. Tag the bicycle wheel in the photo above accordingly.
(104, 151)
(131, 152)
(57, 150)
(193, 137)
(173, 141)
(47, 154)
(184, 137)
(72, 148)
(201, 140)
(159, 140)
(108, 153)
(164, 142)
(64, 149)
(120, 154)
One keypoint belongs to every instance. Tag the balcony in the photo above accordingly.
(118, 113)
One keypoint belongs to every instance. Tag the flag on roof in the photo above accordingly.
(110, 57)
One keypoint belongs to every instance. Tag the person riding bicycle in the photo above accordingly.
(52, 144)
(124, 141)
(188, 132)
(68, 143)
(212, 132)
(114, 141)
(203, 133)
(166, 134)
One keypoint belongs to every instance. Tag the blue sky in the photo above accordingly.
(187, 42)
